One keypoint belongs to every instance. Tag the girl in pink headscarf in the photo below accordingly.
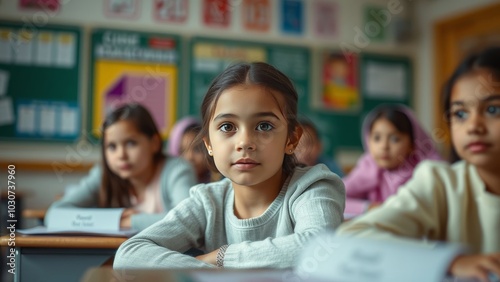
(394, 143)
(180, 145)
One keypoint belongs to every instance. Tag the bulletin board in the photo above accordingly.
(382, 79)
(209, 57)
(134, 67)
(39, 82)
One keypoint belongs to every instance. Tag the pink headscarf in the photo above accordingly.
(175, 139)
(367, 181)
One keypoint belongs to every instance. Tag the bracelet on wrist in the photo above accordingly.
(220, 256)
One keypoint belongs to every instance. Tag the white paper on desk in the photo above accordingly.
(339, 258)
(86, 219)
(42, 230)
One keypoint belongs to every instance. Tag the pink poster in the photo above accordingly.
(325, 18)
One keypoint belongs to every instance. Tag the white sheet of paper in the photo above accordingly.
(69, 119)
(6, 111)
(337, 258)
(43, 54)
(66, 50)
(83, 219)
(23, 51)
(385, 81)
(5, 48)
(4, 82)
(26, 120)
(47, 120)
(42, 230)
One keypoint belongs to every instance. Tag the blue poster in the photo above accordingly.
(292, 19)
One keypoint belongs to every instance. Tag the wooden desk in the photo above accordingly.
(32, 213)
(107, 274)
(60, 258)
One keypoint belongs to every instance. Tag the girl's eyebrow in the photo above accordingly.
(256, 115)
(490, 98)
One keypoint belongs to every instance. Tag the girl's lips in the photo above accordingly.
(245, 166)
(477, 147)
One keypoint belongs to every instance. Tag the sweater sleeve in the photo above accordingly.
(363, 177)
(317, 208)
(161, 245)
(418, 210)
(176, 180)
(84, 195)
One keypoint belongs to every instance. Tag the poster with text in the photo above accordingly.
(126, 9)
(134, 67)
(292, 16)
(171, 11)
(325, 18)
(216, 13)
(256, 15)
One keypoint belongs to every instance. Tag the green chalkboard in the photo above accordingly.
(39, 82)
(209, 57)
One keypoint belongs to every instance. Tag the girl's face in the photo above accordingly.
(248, 135)
(388, 146)
(129, 153)
(475, 119)
(193, 154)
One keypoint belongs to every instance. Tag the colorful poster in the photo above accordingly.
(133, 67)
(292, 19)
(340, 82)
(126, 9)
(256, 15)
(325, 18)
(172, 11)
(216, 13)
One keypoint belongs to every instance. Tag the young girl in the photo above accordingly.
(457, 203)
(395, 143)
(266, 208)
(310, 148)
(180, 144)
(135, 173)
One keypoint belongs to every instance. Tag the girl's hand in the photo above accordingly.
(126, 218)
(209, 257)
(477, 266)
(373, 205)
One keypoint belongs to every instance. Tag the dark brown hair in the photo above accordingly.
(257, 73)
(115, 191)
(488, 59)
(397, 118)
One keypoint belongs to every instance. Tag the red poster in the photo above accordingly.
(52, 5)
(325, 16)
(256, 15)
(171, 10)
(216, 13)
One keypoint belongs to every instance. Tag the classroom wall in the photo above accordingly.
(40, 188)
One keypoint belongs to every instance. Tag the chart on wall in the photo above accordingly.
(134, 67)
(39, 82)
(209, 57)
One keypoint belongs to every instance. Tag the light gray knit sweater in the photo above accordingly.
(312, 199)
